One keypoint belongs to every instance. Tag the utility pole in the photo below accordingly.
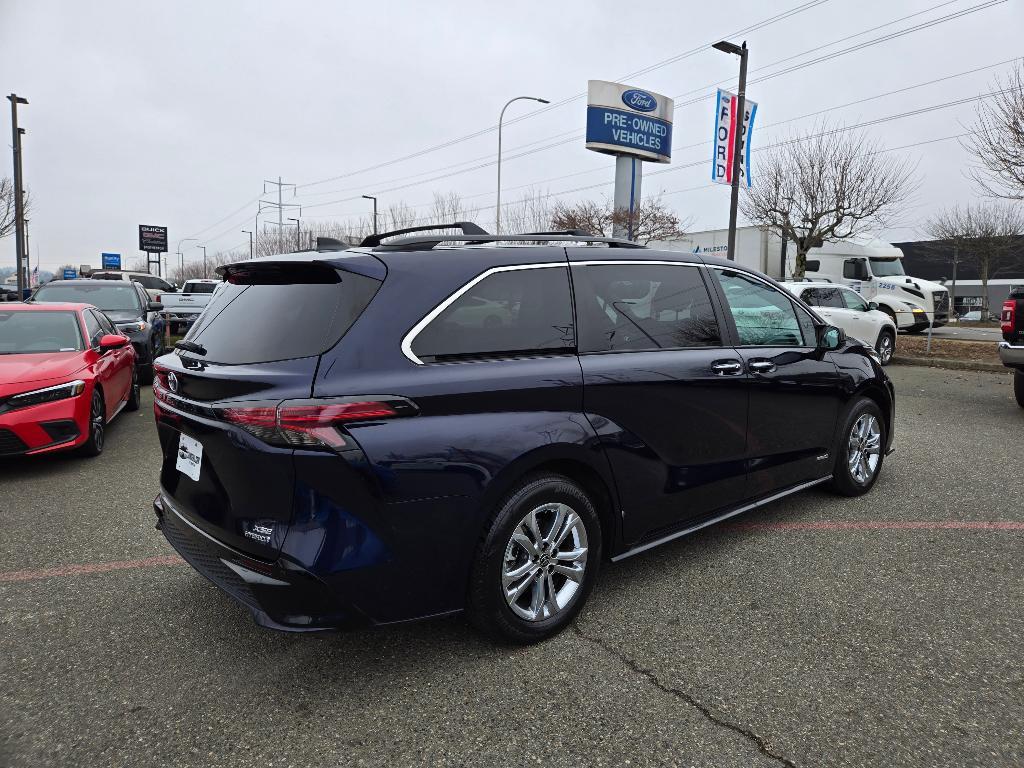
(280, 205)
(249, 233)
(740, 118)
(19, 186)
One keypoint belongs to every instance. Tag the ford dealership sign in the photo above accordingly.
(634, 98)
(629, 121)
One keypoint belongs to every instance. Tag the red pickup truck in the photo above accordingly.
(1011, 348)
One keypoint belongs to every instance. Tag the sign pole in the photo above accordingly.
(628, 175)
(737, 149)
(19, 202)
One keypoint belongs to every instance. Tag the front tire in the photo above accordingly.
(886, 346)
(134, 395)
(1018, 387)
(93, 446)
(537, 562)
(860, 449)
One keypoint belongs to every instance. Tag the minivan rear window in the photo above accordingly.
(246, 323)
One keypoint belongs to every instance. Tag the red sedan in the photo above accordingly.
(65, 372)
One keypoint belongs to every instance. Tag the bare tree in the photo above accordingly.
(532, 212)
(196, 269)
(7, 221)
(997, 139)
(399, 215)
(652, 221)
(987, 235)
(447, 208)
(826, 186)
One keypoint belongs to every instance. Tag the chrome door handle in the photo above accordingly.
(727, 367)
(761, 366)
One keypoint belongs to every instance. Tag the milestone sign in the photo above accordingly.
(628, 121)
(152, 239)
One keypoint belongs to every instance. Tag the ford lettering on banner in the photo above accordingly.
(629, 122)
(723, 161)
(634, 98)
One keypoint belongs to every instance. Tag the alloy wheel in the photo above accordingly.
(544, 562)
(885, 347)
(97, 424)
(865, 448)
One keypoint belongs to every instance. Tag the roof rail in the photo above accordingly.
(467, 228)
(428, 243)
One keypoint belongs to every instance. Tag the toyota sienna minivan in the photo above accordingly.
(434, 423)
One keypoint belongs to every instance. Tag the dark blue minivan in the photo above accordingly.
(428, 424)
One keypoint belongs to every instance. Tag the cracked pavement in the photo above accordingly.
(733, 647)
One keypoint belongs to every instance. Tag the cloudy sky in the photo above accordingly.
(175, 113)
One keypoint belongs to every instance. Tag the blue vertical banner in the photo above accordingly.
(723, 162)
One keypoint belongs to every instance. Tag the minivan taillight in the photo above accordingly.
(312, 424)
(1008, 317)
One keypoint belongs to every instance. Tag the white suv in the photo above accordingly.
(154, 285)
(847, 309)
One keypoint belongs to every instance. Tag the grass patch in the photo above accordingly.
(949, 349)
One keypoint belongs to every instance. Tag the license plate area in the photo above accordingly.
(190, 457)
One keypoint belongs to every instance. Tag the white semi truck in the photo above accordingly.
(871, 267)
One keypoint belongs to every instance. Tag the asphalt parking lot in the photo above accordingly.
(818, 631)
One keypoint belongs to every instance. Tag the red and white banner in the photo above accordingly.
(723, 162)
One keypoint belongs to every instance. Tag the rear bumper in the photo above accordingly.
(1012, 355)
(280, 595)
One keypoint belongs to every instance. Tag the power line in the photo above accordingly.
(575, 136)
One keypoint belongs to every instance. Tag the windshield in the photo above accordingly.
(110, 297)
(887, 267)
(27, 332)
(199, 287)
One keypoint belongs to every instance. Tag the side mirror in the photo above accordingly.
(155, 306)
(872, 306)
(830, 337)
(112, 341)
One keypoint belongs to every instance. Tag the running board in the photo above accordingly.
(719, 518)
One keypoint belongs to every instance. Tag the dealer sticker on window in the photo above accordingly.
(190, 456)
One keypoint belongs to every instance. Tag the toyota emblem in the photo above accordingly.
(172, 381)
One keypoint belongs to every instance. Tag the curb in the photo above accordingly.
(945, 362)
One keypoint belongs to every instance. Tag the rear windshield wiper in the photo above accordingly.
(190, 346)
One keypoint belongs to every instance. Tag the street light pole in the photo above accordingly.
(181, 257)
(19, 183)
(249, 233)
(371, 197)
(741, 51)
(298, 233)
(205, 272)
(501, 118)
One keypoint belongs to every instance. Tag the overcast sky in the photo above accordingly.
(174, 113)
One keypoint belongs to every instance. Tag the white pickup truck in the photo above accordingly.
(182, 308)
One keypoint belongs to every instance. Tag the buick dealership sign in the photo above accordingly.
(629, 121)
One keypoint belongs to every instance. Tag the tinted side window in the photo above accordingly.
(105, 325)
(854, 301)
(643, 306)
(763, 316)
(512, 312)
(824, 297)
(92, 328)
(813, 265)
(281, 321)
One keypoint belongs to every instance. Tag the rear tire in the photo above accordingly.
(537, 562)
(97, 427)
(886, 345)
(860, 449)
(1018, 387)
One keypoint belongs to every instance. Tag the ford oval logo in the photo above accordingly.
(639, 100)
